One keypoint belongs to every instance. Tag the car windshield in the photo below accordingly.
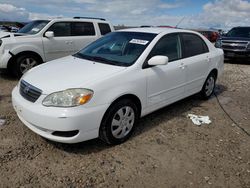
(33, 27)
(117, 48)
(239, 32)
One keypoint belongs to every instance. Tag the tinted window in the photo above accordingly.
(168, 45)
(83, 29)
(61, 29)
(104, 28)
(193, 45)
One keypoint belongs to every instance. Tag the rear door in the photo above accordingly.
(83, 33)
(196, 56)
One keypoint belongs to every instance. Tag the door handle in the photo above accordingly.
(208, 59)
(182, 66)
(69, 42)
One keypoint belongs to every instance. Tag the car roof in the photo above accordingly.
(156, 30)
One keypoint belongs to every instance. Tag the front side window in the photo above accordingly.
(61, 29)
(104, 28)
(193, 45)
(83, 29)
(169, 46)
(33, 27)
(118, 48)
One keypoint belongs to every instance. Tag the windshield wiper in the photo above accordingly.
(99, 59)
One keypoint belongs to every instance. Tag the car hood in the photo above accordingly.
(4, 34)
(9, 35)
(235, 38)
(68, 72)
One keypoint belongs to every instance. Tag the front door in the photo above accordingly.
(166, 83)
(61, 44)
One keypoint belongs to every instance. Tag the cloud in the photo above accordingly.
(9, 12)
(216, 13)
(224, 14)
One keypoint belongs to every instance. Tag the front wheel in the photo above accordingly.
(208, 87)
(118, 122)
(24, 63)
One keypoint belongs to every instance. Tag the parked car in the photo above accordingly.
(4, 28)
(236, 43)
(212, 36)
(104, 89)
(43, 40)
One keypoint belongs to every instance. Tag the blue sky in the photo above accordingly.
(197, 13)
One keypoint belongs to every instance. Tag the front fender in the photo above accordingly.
(28, 48)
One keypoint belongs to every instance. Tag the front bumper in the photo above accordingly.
(47, 120)
(4, 59)
(236, 54)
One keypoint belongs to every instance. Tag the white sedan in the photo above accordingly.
(104, 89)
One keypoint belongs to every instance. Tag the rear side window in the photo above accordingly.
(104, 28)
(61, 29)
(82, 29)
(193, 45)
(168, 45)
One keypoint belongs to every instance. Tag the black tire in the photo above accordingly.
(204, 92)
(18, 69)
(105, 132)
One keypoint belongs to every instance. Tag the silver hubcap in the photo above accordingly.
(123, 122)
(209, 86)
(27, 64)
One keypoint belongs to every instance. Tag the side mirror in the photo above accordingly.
(49, 34)
(158, 60)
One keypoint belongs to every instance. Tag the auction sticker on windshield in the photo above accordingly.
(138, 41)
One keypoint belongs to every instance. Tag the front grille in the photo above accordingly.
(234, 45)
(29, 92)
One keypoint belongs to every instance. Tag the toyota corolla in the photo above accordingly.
(105, 88)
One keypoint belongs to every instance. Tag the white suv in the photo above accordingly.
(43, 40)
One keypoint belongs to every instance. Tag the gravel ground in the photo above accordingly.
(166, 150)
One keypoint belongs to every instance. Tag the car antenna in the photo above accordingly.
(180, 21)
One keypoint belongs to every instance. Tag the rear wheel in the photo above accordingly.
(118, 122)
(208, 87)
(24, 63)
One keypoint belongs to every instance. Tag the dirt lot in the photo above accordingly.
(167, 150)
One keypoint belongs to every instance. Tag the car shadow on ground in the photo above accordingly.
(237, 61)
(145, 124)
(5, 75)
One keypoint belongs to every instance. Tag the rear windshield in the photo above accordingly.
(239, 32)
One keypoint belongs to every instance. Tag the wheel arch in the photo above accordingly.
(131, 97)
(15, 56)
(215, 72)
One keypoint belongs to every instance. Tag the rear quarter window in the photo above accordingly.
(104, 28)
(193, 45)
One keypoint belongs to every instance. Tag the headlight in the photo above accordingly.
(248, 46)
(218, 44)
(68, 98)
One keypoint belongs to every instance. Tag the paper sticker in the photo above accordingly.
(138, 41)
(35, 29)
